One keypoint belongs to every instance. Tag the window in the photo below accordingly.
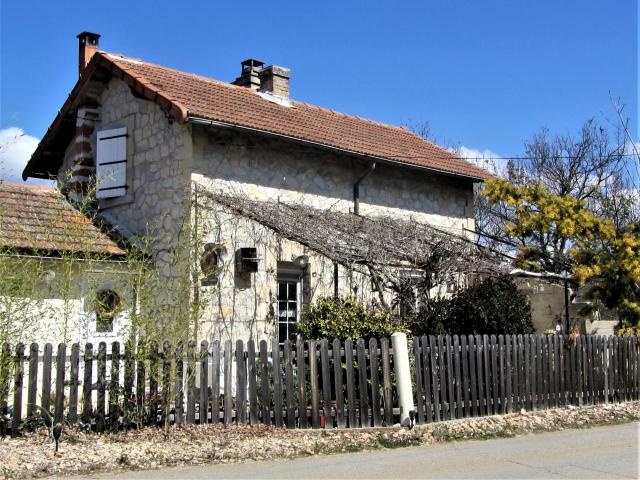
(407, 300)
(107, 306)
(111, 163)
(209, 264)
(289, 299)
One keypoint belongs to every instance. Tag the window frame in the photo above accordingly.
(289, 274)
(411, 278)
(118, 306)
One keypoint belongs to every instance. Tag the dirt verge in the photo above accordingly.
(81, 453)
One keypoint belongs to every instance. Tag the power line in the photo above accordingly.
(448, 157)
(560, 157)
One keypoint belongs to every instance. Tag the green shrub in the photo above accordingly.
(346, 318)
(494, 306)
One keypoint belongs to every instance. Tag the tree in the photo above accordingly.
(589, 166)
(546, 228)
(560, 234)
(615, 265)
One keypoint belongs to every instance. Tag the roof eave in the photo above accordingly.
(215, 123)
(99, 60)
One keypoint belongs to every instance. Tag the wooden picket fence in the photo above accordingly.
(302, 384)
(468, 376)
(311, 384)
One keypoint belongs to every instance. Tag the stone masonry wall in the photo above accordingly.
(245, 306)
(161, 159)
(155, 211)
(269, 170)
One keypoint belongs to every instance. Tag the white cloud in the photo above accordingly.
(632, 149)
(16, 148)
(487, 159)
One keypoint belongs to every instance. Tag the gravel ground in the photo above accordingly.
(33, 454)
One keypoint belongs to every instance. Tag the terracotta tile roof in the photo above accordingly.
(183, 95)
(210, 99)
(40, 219)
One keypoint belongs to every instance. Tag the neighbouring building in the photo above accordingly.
(61, 278)
(550, 302)
(180, 158)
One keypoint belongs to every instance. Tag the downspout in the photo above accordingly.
(356, 188)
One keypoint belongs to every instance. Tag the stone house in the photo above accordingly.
(550, 300)
(55, 265)
(156, 141)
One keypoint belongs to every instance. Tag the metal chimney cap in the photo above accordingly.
(250, 64)
(89, 38)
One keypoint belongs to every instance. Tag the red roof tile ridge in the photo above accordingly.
(124, 58)
(143, 79)
(32, 187)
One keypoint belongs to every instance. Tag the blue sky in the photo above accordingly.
(485, 74)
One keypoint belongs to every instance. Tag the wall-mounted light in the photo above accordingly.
(301, 261)
(47, 277)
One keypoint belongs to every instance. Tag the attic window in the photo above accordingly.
(111, 163)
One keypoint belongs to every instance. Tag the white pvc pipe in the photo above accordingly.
(403, 375)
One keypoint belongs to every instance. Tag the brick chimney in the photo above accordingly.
(275, 80)
(250, 76)
(88, 44)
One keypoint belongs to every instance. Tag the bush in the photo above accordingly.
(494, 306)
(345, 318)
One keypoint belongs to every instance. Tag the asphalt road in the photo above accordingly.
(603, 452)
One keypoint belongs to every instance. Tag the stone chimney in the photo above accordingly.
(275, 80)
(250, 76)
(88, 44)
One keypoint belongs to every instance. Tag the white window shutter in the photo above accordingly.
(111, 163)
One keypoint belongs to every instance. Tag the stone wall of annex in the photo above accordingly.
(63, 310)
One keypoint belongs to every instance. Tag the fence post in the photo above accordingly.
(403, 375)
(5, 369)
(60, 372)
(73, 388)
(17, 390)
(33, 379)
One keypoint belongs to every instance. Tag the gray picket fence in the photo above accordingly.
(310, 384)
(474, 375)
